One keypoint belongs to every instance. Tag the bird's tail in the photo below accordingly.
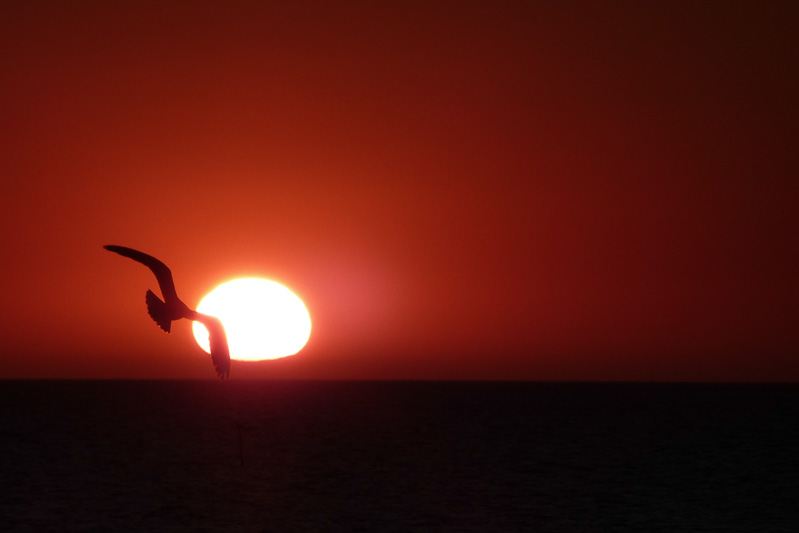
(158, 311)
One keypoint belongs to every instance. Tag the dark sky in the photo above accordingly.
(457, 190)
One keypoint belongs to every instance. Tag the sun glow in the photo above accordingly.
(263, 319)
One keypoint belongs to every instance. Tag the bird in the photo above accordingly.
(171, 308)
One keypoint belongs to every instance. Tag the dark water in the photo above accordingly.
(397, 456)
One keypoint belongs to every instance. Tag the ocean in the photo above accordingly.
(397, 456)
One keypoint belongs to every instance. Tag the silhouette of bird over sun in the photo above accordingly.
(172, 308)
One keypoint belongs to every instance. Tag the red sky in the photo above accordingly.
(457, 190)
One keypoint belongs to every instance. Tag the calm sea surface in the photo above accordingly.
(397, 456)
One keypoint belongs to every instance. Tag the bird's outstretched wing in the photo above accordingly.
(161, 271)
(217, 338)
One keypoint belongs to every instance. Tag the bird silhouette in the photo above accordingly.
(172, 308)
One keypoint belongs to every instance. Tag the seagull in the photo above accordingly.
(172, 308)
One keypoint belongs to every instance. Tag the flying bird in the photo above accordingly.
(172, 308)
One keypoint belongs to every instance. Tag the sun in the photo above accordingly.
(262, 318)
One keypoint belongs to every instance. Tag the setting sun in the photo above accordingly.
(262, 318)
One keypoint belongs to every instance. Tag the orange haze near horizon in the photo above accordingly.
(456, 190)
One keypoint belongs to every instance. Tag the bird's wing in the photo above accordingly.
(217, 338)
(161, 271)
